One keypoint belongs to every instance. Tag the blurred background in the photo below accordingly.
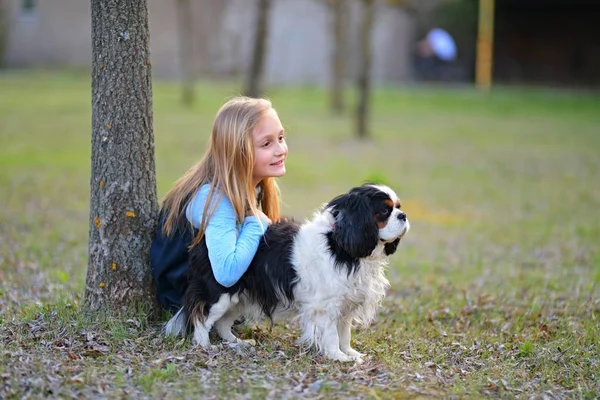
(535, 42)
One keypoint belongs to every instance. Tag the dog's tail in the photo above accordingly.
(177, 325)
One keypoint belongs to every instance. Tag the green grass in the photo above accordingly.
(495, 291)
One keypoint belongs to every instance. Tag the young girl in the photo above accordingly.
(227, 199)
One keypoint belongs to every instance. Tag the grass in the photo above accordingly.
(495, 291)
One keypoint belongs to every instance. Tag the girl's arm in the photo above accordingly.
(229, 254)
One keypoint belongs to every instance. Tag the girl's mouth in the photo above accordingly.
(278, 163)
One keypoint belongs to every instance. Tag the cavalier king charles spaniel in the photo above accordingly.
(327, 273)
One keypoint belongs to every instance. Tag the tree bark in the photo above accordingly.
(340, 24)
(186, 50)
(254, 85)
(123, 203)
(364, 73)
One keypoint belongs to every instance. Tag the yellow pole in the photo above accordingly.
(485, 44)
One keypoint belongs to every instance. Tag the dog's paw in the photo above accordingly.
(242, 342)
(229, 337)
(353, 353)
(358, 360)
(247, 342)
(339, 356)
(205, 345)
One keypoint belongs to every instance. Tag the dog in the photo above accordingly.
(327, 273)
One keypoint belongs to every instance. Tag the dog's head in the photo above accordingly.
(365, 217)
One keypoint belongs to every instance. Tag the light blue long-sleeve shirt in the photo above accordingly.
(231, 246)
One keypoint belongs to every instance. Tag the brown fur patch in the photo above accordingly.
(382, 224)
(198, 312)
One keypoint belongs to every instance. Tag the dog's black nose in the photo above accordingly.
(402, 217)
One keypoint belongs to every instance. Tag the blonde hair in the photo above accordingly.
(227, 165)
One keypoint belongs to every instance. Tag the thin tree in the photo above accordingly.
(339, 11)
(186, 50)
(364, 72)
(123, 203)
(259, 51)
(4, 28)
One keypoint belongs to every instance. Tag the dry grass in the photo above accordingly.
(494, 291)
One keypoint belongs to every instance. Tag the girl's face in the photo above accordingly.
(270, 148)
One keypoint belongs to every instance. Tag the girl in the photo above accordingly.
(227, 199)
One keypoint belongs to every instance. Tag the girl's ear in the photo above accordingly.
(355, 229)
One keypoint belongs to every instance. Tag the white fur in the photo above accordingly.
(326, 298)
(176, 325)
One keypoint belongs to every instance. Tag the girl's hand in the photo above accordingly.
(264, 217)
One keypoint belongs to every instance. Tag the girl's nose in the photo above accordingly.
(281, 149)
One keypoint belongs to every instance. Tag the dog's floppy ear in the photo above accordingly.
(355, 229)
(390, 248)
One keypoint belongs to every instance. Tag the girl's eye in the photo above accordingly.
(281, 138)
(266, 144)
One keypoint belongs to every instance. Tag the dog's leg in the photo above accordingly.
(218, 310)
(319, 329)
(201, 334)
(224, 324)
(201, 330)
(344, 329)
(328, 340)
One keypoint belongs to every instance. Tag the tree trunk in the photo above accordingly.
(364, 73)
(254, 85)
(4, 29)
(186, 50)
(123, 203)
(340, 24)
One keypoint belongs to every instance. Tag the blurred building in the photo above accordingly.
(58, 33)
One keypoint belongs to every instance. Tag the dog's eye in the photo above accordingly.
(385, 211)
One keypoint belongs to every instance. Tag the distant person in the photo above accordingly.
(434, 55)
(227, 199)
